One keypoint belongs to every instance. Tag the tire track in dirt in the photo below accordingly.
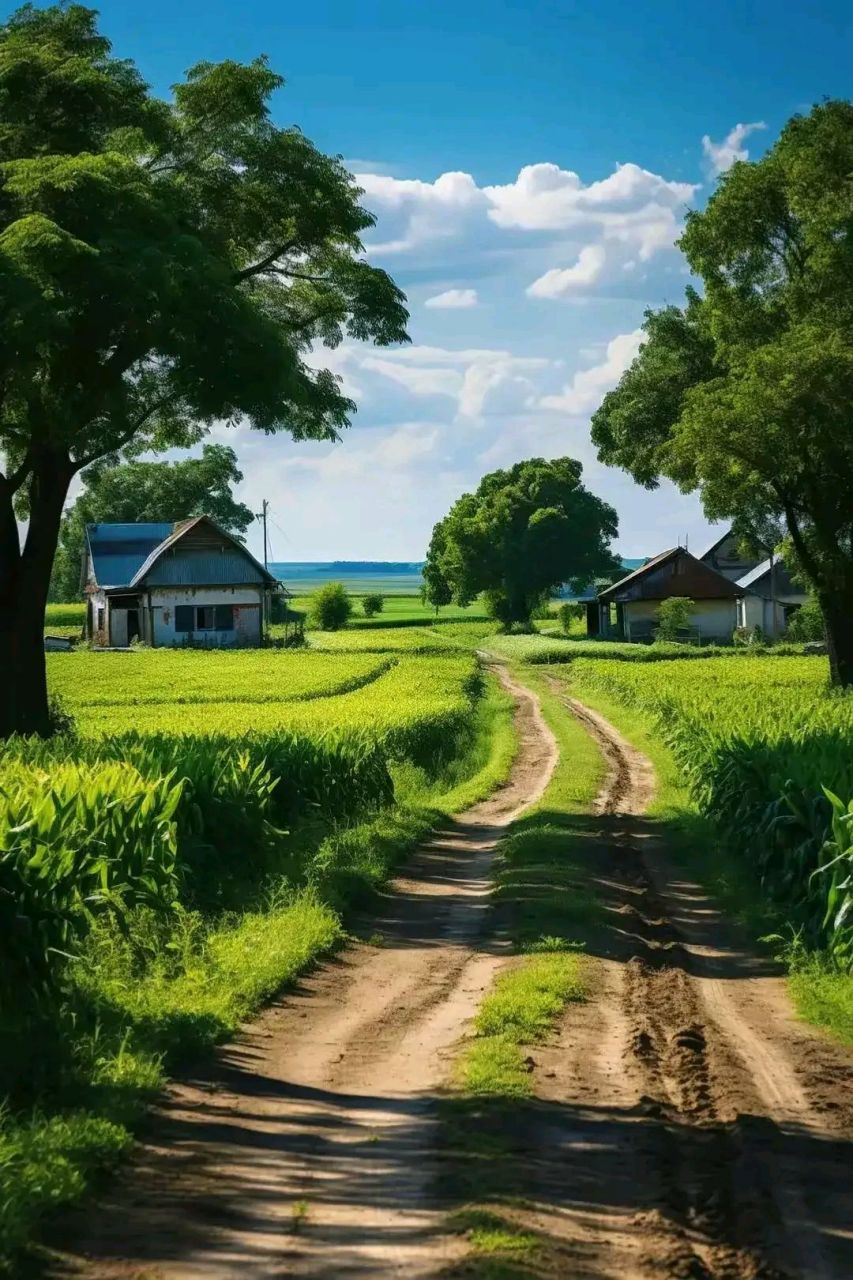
(724, 1124)
(307, 1147)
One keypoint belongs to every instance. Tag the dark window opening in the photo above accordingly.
(204, 617)
(100, 619)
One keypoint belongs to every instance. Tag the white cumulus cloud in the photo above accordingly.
(722, 155)
(453, 299)
(413, 212)
(560, 282)
(587, 388)
(632, 206)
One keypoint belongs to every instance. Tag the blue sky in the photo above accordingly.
(530, 165)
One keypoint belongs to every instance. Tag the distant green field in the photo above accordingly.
(400, 610)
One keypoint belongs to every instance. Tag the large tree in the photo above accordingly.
(746, 392)
(524, 532)
(162, 265)
(148, 491)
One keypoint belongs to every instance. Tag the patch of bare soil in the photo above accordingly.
(305, 1148)
(685, 1124)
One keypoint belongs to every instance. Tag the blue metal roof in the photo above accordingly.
(120, 550)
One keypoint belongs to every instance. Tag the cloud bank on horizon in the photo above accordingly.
(527, 300)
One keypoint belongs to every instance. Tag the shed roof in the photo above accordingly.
(652, 581)
(118, 550)
(754, 574)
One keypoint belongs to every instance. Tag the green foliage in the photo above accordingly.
(674, 616)
(747, 393)
(76, 841)
(372, 604)
(568, 613)
(148, 491)
(331, 607)
(523, 533)
(760, 740)
(807, 623)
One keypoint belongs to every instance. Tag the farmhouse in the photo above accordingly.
(166, 584)
(628, 609)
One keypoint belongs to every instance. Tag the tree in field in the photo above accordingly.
(162, 265)
(372, 604)
(746, 393)
(673, 615)
(331, 607)
(523, 533)
(148, 491)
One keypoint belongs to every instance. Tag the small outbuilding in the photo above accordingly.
(770, 598)
(628, 609)
(188, 583)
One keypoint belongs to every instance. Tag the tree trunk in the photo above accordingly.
(837, 609)
(24, 585)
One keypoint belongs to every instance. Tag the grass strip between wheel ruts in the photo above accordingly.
(541, 899)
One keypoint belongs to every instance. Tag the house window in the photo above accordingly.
(100, 619)
(204, 617)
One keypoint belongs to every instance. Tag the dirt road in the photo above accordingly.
(307, 1148)
(686, 1124)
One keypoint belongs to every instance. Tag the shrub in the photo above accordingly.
(568, 611)
(674, 615)
(331, 607)
(372, 604)
(807, 623)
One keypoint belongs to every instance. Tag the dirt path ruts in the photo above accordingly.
(305, 1150)
(719, 1125)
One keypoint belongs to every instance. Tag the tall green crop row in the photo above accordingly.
(767, 751)
(75, 842)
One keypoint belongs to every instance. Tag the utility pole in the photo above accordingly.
(262, 515)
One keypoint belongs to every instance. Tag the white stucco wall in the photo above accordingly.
(247, 618)
(755, 611)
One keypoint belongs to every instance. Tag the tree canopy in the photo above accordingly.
(746, 392)
(163, 264)
(521, 534)
(148, 491)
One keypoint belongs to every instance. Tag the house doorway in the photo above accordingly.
(133, 625)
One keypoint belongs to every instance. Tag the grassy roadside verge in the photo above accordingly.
(822, 994)
(139, 1006)
(545, 910)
